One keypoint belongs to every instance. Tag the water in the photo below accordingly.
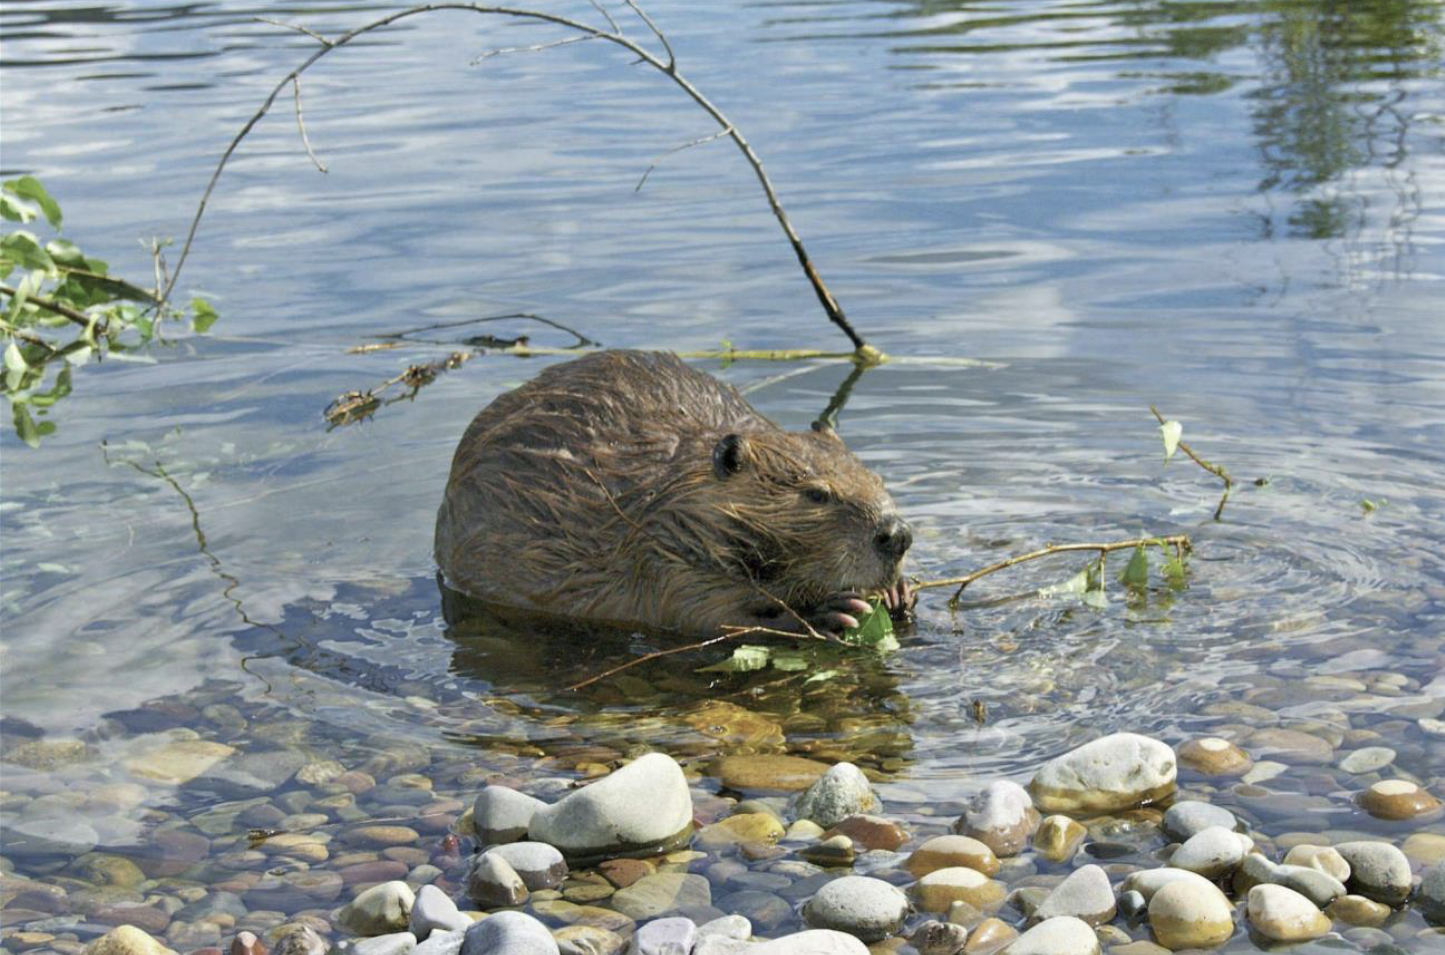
(1231, 210)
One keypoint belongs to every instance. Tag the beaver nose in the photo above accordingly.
(894, 538)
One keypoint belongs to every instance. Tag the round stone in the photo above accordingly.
(1149, 881)
(1189, 817)
(749, 827)
(380, 910)
(515, 933)
(870, 832)
(1425, 848)
(1368, 759)
(944, 852)
(503, 815)
(1212, 756)
(815, 942)
(1324, 858)
(768, 773)
(1358, 910)
(645, 805)
(1432, 892)
(841, 792)
(937, 890)
(126, 940)
(1284, 915)
(380, 837)
(868, 908)
(434, 911)
(988, 936)
(1398, 799)
(1058, 837)
(1291, 746)
(1116, 772)
(539, 865)
(1212, 853)
(1378, 871)
(659, 894)
(1184, 914)
(1085, 894)
(1001, 816)
(1063, 935)
(493, 884)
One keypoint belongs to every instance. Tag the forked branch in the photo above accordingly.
(1215, 469)
(613, 33)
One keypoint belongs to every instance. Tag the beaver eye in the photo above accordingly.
(817, 495)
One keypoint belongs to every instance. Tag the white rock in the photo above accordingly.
(1284, 915)
(493, 883)
(1432, 892)
(509, 933)
(729, 926)
(1116, 772)
(1085, 894)
(380, 910)
(1190, 817)
(398, 943)
(1378, 871)
(817, 942)
(644, 804)
(1212, 852)
(840, 792)
(434, 911)
(1001, 816)
(670, 936)
(1063, 935)
(539, 865)
(442, 943)
(1148, 881)
(501, 814)
(1324, 858)
(868, 908)
(1183, 914)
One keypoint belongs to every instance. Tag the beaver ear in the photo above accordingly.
(824, 428)
(729, 456)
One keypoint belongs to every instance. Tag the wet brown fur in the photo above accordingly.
(591, 492)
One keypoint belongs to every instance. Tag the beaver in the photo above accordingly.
(626, 489)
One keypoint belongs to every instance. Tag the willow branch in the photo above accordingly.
(534, 48)
(1178, 541)
(668, 67)
(1214, 469)
(700, 141)
(54, 307)
(301, 126)
(296, 27)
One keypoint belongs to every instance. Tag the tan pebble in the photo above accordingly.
(989, 936)
(1189, 914)
(1323, 858)
(1213, 756)
(942, 852)
(382, 836)
(1398, 799)
(938, 889)
(1358, 910)
(126, 940)
(1425, 848)
(1141, 947)
(25, 941)
(1058, 837)
(296, 845)
(1284, 915)
(769, 773)
(734, 830)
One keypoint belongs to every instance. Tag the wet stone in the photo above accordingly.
(508, 933)
(396, 943)
(1133, 906)
(1425, 848)
(246, 943)
(380, 910)
(867, 908)
(734, 830)
(1001, 816)
(1283, 915)
(870, 832)
(624, 872)
(1321, 889)
(669, 936)
(815, 942)
(539, 865)
(1115, 772)
(661, 893)
(1084, 894)
(126, 940)
(1213, 852)
(1063, 935)
(645, 803)
(1291, 746)
(989, 936)
(300, 940)
(768, 773)
(434, 911)
(1432, 892)
(836, 852)
(1367, 759)
(588, 940)
(840, 792)
(1358, 910)
(938, 889)
(1323, 858)
(1058, 837)
(939, 938)
(1399, 799)
(493, 883)
(379, 837)
(1189, 817)
(1213, 756)
(1184, 914)
(942, 852)
(1378, 871)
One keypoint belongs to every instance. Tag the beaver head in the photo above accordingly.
(800, 516)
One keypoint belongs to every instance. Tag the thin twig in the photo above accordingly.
(1103, 547)
(662, 38)
(700, 141)
(865, 352)
(652, 656)
(301, 125)
(534, 48)
(50, 305)
(1214, 469)
(606, 16)
(324, 41)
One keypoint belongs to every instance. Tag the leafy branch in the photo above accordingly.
(65, 309)
(1171, 430)
(612, 33)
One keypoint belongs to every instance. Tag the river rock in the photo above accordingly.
(942, 852)
(750, 827)
(1284, 915)
(1320, 888)
(1398, 799)
(727, 926)
(868, 908)
(492, 882)
(989, 936)
(1324, 858)
(1358, 910)
(126, 940)
(1212, 756)
(442, 943)
(870, 832)
(49, 835)
(1212, 853)
(939, 889)
(768, 773)
(1063, 935)
(300, 939)
(841, 792)
(178, 761)
(670, 936)
(658, 894)
(1291, 746)
(939, 938)
(1367, 759)
(816, 942)
(539, 865)
(1432, 892)
(645, 804)
(1116, 772)
(397, 943)
(1187, 914)
(1190, 817)
(1378, 871)
(380, 910)
(1001, 816)
(501, 814)
(1085, 894)
(508, 933)
(1149, 881)
(1058, 837)
(434, 911)
(1133, 906)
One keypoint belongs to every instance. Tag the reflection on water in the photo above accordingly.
(1228, 209)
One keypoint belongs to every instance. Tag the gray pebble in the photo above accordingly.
(539, 865)
(509, 933)
(867, 908)
(669, 936)
(1188, 818)
(1378, 871)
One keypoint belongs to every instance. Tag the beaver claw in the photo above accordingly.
(899, 599)
(839, 612)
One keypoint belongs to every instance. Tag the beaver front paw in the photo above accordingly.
(834, 614)
(900, 599)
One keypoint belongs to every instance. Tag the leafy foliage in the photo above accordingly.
(874, 632)
(63, 309)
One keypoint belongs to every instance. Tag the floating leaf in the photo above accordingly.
(1136, 573)
(28, 187)
(1173, 570)
(204, 316)
(1369, 506)
(1171, 432)
(821, 675)
(1076, 584)
(789, 661)
(744, 659)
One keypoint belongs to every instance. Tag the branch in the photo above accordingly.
(1179, 541)
(864, 351)
(301, 125)
(50, 305)
(700, 141)
(534, 48)
(298, 28)
(1214, 469)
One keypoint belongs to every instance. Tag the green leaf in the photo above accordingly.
(14, 360)
(744, 659)
(1136, 574)
(1369, 506)
(23, 249)
(1075, 585)
(26, 428)
(28, 187)
(1171, 432)
(1173, 570)
(65, 252)
(873, 630)
(789, 661)
(821, 675)
(204, 316)
(13, 209)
